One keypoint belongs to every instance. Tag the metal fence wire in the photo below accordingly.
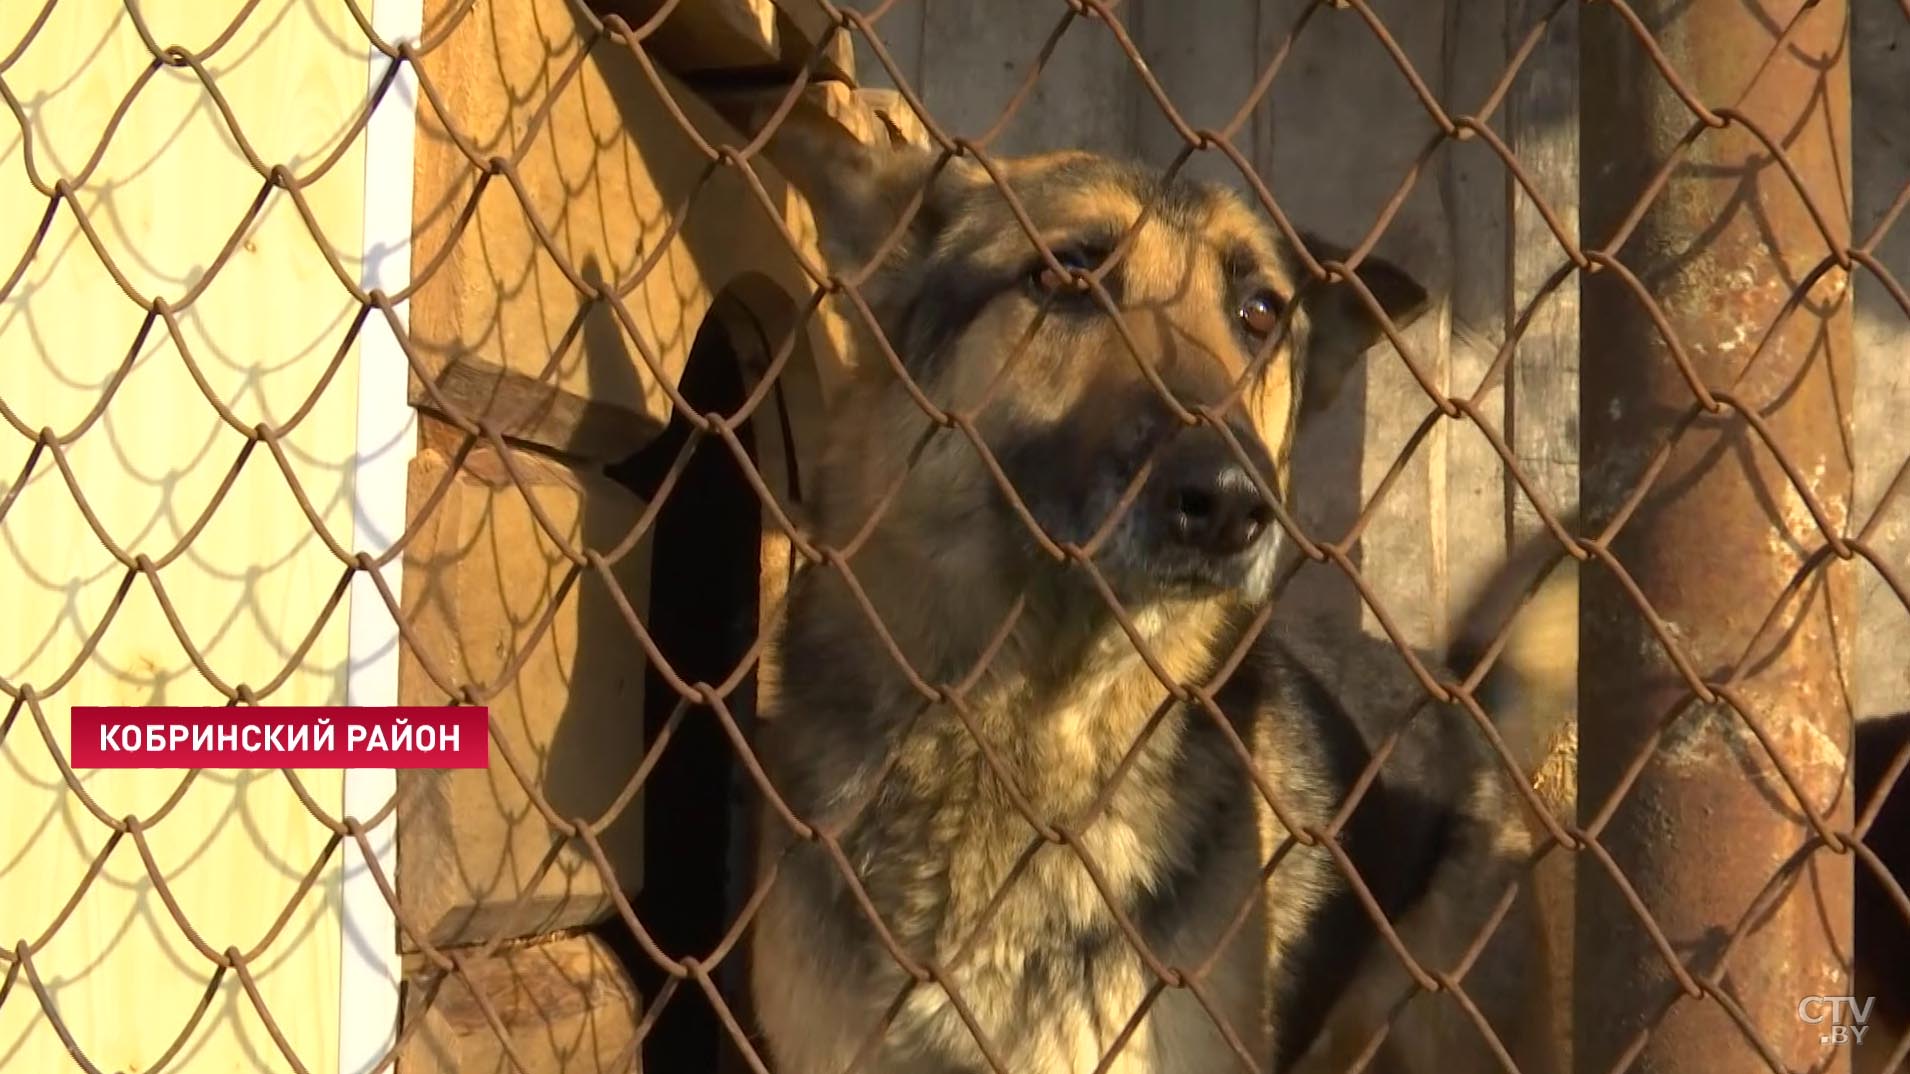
(1684, 390)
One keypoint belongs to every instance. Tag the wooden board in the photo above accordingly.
(1337, 78)
(564, 1007)
(1475, 189)
(900, 30)
(1880, 148)
(976, 57)
(505, 331)
(1542, 131)
(1541, 407)
(728, 37)
(168, 191)
(481, 578)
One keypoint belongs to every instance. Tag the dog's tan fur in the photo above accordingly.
(921, 804)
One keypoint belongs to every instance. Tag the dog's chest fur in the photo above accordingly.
(1028, 938)
(932, 803)
(966, 802)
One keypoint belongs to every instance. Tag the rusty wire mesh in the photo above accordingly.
(30, 710)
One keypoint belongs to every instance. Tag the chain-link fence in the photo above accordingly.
(662, 423)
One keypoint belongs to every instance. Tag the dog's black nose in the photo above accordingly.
(1210, 502)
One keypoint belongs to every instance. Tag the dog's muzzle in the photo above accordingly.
(1202, 517)
(1207, 503)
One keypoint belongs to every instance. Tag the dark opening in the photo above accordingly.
(705, 563)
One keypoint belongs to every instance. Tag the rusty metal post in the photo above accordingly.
(1710, 835)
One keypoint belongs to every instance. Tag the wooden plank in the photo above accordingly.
(480, 576)
(608, 172)
(1880, 148)
(537, 411)
(900, 28)
(1473, 187)
(1541, 407)
(563, 1007)
(1542, 130)
(1337, 78)
(168, 192)
(976, 58)
(711, 37)
(1541, 414)
(1204, 53)
(748, 109)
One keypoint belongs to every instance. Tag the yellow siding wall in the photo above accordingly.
(170, 189)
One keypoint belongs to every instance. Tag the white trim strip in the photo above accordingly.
(368, 971)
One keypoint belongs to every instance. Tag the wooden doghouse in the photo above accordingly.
(608, 186)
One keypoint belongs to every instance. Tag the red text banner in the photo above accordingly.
(324, 736)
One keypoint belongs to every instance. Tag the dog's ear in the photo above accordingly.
(1342, 327)
(861, 192)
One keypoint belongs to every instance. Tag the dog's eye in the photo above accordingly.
(1047, 279)
(1260, 314)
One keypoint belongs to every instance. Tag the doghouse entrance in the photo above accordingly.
(703, 614)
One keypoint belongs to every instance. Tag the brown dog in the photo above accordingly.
(1016, 588)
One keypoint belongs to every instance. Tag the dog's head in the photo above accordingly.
(1081, 395)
